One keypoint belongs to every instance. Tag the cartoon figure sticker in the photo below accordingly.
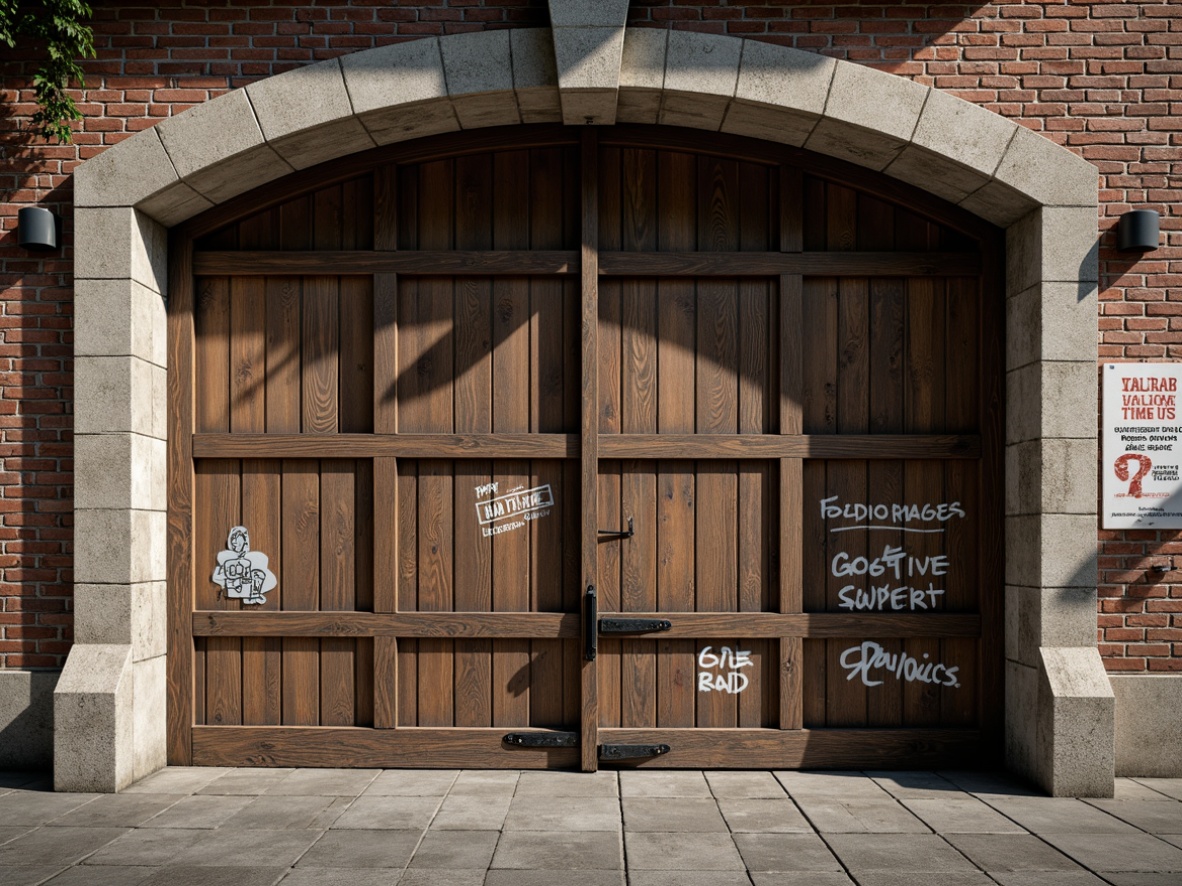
(242, 573)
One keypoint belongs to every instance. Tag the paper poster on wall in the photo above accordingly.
(1141, 455)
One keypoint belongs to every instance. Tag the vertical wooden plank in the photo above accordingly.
(181, 658)
(301, 574)
(473, 414)
(387, 532)
(320, 349)
(589, 424)
(676, 487)
(406, 508)
(337, 589)
(219, 509)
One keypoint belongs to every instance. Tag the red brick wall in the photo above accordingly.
(1097, 77)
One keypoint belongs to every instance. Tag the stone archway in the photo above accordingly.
(110, 704)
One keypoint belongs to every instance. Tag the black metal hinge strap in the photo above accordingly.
(634, 625)
(542, 739)
(631, 751)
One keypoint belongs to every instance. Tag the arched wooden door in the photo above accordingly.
(626, 446)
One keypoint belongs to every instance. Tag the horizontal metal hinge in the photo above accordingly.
(633, 625)
(542, 739)
(631, 751)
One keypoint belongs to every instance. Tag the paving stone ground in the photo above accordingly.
(320, 827)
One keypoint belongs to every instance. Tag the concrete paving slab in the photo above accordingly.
(1170, 787)
(553, 877)
(10, 779)
(324, 783)
(1047, 878)
(288, 813)
(25, 808)
(799, 878)
(926, 853)
(1172, 840)
(1058, 815)
(211, 876)
(228, 847)
(468, 813)
(57, 846)
(362, 849)
(389, 813)
(455, 850)
(1130, 789)
(677, 852)
(683, 784)
(7, 834)
(673, 816)
(177, 780)
(558, 850)
(412, 783)
(27, 875)
(929, 785)
(1120, 852)
(342, 877)
(960, 815)
(831, 785)
(245, 781)
(539, 813)
(915, 878)
(490, 782)
(1142, 879)
(688, 878)
(147, 847)
(764, 816)
(568, 784)
(117, 811)
(199, 812)
(786, 852)
(995, 784)
(1155, 816)
(744, 785)
(1011, 852)
(860, 817)
(436, 877)
(96, 875)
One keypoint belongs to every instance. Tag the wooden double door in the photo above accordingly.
(549, 448)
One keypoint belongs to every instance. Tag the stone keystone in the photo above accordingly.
(588, 50)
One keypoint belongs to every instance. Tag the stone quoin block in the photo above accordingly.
(119, 243)
(479, 72)
(535, 75)
(126, 173)
(1051, 321)
(119, 394)
(701, 72)
(588, 61)
(120, 470)
(1076, 724)
(1051, 400)
(149, 717)
(1051, 475)
(400, 91)
(1020, 727)
(92, 720)
(237, 160)
(1051, 551)
(780, 93)
(869, 116)
(119, 318)
(119, 546)
(642, 75)
(132, 614)
(1053, 245)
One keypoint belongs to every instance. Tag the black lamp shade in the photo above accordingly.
(1138, 230)
(36, 229)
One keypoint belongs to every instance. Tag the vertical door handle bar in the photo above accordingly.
(591, 624)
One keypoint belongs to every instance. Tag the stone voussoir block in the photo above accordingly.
(701, 73)
(119, 318)
(119, 546)
(120, 470)
(588, 61)
(642, 75)
(580, 13)
(535, 75)
(119, 243)
(237, 160)
(125, 173)
(479, 70)
(119, 395)
(780, 93)
(93, 719)
(1048, 173)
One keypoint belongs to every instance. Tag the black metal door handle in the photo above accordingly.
(591, 624)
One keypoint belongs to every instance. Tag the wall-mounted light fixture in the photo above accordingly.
(1138, 230)
(36, 229)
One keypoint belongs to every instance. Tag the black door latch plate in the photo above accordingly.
(634, 625)
(631, 751)
(542, 739)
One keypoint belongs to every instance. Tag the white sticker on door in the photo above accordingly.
(242, 573)
(512, 510)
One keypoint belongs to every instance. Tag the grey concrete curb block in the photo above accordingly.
(1045, 195)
